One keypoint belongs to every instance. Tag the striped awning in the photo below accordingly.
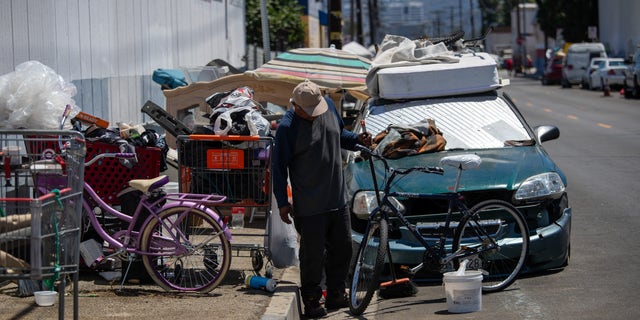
(327, 67)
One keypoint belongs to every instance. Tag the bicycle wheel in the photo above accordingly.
(201, 259)
(367, 266)
(498, 234)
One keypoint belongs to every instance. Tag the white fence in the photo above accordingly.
(110, 48)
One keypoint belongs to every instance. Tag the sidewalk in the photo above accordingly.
(99, 299)
(285, 302)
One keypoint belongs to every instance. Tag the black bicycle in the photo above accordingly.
(492, 235)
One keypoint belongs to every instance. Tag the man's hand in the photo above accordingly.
(365, 139)
(284, 214)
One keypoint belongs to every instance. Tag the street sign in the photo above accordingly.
(592, 31)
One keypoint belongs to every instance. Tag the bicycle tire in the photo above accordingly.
(507, 228)
(365, 277)
(201, 260)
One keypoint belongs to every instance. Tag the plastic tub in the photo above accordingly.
(45, 298)
(464, 292)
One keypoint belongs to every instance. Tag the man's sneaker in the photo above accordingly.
(314, 312)
(338, 301)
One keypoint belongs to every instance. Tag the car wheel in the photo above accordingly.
(636, 88)
(565, 83)
(545, 81)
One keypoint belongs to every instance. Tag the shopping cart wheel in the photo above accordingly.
(257, 260)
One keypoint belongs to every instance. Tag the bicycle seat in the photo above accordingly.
(146, 185)
(463, 161)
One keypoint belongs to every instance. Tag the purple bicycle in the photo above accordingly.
(183, 243)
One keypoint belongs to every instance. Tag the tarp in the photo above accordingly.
(358, 49)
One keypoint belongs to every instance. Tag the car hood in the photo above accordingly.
(504, 168)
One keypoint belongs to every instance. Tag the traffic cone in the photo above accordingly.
(607, 90)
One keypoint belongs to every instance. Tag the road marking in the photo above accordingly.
(604, 125)
(529, 104)
(548, 110)
(572, 117)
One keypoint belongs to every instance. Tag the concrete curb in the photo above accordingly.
(285, 302)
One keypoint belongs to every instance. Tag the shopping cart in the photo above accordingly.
(234, 166)
(40, 209)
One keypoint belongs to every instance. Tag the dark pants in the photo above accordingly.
(325, 245)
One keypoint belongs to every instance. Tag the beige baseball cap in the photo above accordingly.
(308, 96)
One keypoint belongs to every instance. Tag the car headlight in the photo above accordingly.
(540, 186)
(364, 202)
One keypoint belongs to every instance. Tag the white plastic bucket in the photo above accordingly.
(464, 292)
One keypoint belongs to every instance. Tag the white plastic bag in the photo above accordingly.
(282, 241)
(250, 121)
(34, 97)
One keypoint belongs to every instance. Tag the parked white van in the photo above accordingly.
(577, 60)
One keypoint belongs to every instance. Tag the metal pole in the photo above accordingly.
(264, 16)
(335, 23)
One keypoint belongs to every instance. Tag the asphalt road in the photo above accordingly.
(598, 149)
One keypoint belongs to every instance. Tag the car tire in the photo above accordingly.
(544, 81)
(636, 88)
(565, 83)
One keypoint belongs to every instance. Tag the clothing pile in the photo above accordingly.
(235, 113)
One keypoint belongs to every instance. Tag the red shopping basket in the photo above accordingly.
(108, 176)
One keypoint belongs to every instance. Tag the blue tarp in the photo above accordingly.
(171, 78)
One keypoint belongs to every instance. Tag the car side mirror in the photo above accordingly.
(546, 133)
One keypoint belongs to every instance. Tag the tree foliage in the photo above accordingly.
(572, 16)
(286, 28)
(496, 12)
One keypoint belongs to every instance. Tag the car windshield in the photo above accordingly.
(470, 122)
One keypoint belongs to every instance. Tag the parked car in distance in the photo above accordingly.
(553, 70)
(610, 71)
(593, 66)
(632, 77)
(515, 167)
(577, 60)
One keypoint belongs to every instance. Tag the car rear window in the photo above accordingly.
(616, 63)
(471, 122)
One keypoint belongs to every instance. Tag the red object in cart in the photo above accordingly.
(108, 177)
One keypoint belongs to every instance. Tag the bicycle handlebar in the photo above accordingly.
(377, 155)
(123, 155)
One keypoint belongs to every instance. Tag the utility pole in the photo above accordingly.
(460, 13)
(517, 59)
(359, 30)
(352, 23)
(265, 30)
(451, 19)
(473, 26)
(373, 21)
(335, 23)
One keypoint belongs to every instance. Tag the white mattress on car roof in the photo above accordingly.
(475, 72)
